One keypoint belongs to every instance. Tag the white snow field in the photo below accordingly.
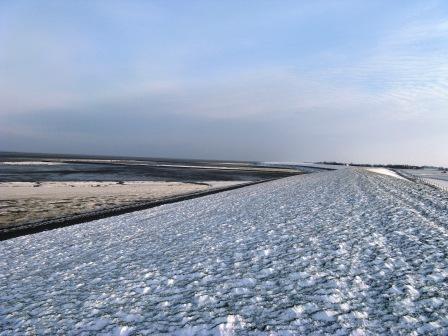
(384, 171)
(346, 252)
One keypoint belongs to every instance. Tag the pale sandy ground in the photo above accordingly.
(22, 202)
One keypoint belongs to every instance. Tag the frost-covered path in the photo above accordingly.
(344, 252)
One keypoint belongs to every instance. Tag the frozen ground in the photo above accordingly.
(438, 183)
(432, 176)
(347, 252)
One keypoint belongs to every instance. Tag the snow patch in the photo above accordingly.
(384, 171)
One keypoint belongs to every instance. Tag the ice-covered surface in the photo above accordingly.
(347, 252)
(31, 163)
(306, 166)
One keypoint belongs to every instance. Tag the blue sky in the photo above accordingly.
(251, 80)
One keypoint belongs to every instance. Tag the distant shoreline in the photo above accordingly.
(35, 191)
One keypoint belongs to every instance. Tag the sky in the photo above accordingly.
(353, 81)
